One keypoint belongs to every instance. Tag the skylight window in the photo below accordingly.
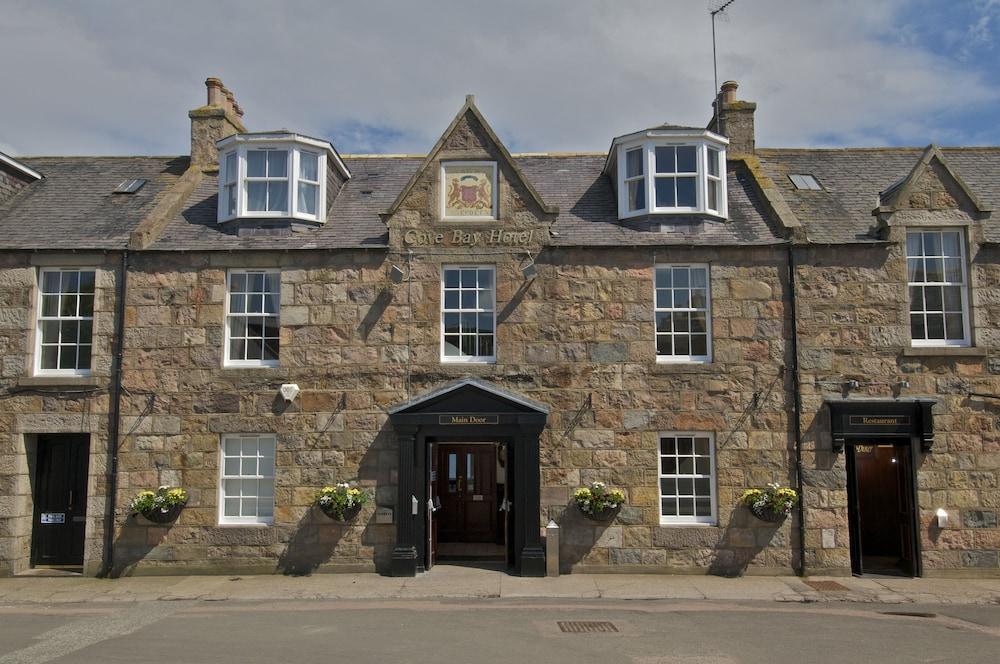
(130, 186)
(805, 181)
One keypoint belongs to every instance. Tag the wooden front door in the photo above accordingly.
(466, 485)
(60, 519)
(882, 513)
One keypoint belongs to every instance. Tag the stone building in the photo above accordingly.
(471, 335)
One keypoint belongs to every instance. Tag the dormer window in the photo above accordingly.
(669, 172)
(275, 175)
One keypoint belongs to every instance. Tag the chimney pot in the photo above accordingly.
(230, 99)
(729, 92)
(214, 88)
(219, 119)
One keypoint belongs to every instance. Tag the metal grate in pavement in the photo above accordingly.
(587, 627)
(827, 586)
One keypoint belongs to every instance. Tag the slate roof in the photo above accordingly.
(853, 177)
(574, 183)
(353, 220)
(72, 206)
(588, 209)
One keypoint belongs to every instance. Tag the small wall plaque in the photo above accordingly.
(53, 517)
(383, 515)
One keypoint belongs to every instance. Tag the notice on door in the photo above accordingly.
(53, 517)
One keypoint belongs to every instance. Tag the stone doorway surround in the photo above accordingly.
(469, 409)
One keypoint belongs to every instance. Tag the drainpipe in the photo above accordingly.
(796, 412)
(114, 417)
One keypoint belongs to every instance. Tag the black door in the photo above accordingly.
(882, 509)
(57, 536)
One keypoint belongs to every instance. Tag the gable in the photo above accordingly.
(469, 395)
(469, 138)
(930, 185)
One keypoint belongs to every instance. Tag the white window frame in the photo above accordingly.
(641, 177)
(230, 183)
(293, 148)
(674, 359)
(227, 361)
(40, 318)
(963, 285)
(688, 520)
(701, 176)
(301, 180)
(443, 195)
(266, 180)
(245, 520)
(467, 359)
(719, 179)
(700, 168)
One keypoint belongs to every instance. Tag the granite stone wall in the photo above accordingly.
(853, 323)
(578, 337)
(31, 406)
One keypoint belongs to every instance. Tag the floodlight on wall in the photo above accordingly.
(396, 274)
(942, 517)
(289, 391)
(529, 270)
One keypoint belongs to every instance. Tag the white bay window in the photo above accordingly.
(275, 175)
(670, 172)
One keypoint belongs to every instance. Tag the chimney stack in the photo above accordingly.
(220, 117)
(735, 119)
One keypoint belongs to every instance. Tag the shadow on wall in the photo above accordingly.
(136, 541)
(578, 536)
(743, 540)
(312, 543)
(378, 467)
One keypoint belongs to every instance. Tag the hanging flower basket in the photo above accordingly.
(598, 502)
(341, 502)
(161, 506)
(765, 513)
(163, 514)
(772, 503)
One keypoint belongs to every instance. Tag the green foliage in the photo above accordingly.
(164, 498)
(598, 498)
(774, 498)
(340, 499)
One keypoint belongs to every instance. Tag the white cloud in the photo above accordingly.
(115, 77)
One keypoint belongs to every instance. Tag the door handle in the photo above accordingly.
(70, 506)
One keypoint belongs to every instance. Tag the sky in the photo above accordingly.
(110, 77)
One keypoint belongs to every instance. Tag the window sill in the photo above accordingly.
(671, 524)
(665, 359)
(223, 524)
(673, 367)
(944, 351)
(59, 381)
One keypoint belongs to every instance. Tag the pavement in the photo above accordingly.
(454, 582)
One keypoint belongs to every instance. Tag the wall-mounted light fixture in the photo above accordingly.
(942, 518)
(396, 274)
(528, 269)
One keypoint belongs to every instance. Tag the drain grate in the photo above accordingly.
(587, 627)
(909, 614)
(827, 586)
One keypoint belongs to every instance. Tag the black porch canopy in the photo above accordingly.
(857, 419)
(468, 409)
